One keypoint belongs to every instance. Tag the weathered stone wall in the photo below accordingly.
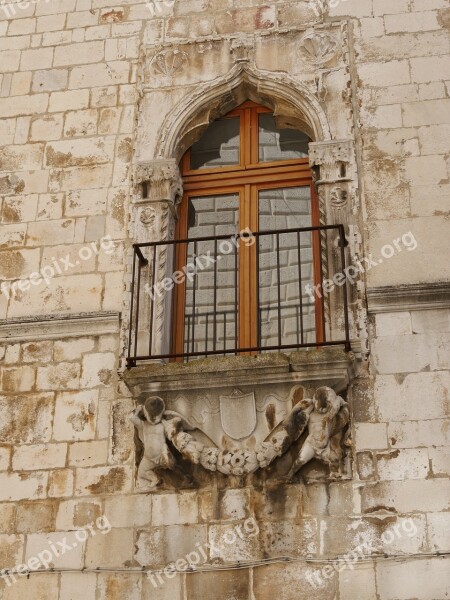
(71, 73)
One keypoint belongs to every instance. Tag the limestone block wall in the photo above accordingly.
(70, 83)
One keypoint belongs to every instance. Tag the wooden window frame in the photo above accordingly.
(246, 179)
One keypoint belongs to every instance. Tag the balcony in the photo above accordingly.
(271, 291)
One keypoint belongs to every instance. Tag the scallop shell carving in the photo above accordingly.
(320, 47)
(169, 62)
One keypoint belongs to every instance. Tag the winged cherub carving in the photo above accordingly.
(327, 415)
(154, 426)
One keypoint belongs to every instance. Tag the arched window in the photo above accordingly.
(246, 173)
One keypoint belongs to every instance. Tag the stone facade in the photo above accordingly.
(98, 102)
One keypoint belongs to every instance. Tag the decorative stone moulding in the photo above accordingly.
(211, 417)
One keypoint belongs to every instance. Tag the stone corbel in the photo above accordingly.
(242, 49)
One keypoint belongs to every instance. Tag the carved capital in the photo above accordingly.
(163, 179)
(332, 158)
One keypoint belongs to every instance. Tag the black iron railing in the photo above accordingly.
(298, 277)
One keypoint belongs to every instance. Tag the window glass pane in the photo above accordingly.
(280, 144)
(219, 145)
(288, 208)
(211, 316)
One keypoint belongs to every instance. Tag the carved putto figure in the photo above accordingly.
(154, 426)
(325, 417)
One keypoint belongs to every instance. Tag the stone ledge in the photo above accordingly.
(401, 298)
(325, 366)
(50, 327)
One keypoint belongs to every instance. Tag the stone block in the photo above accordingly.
(47, 127)
(61, 483)
(36, 59)
(7, 517)
(41, 233)
(74, 153)
(220, 585)
(29, 486)
(129, 511)
(403, 399)
(122, 431)
(422, 579)
(75, 415)
(370, 436)
(301, 582)
(23, 105)
(403, 22)
(403, 464)
(392, 73)
(175, 509)
(49, 207)
(42, 456)
(86, 202)
(78, 514)
(18, 379)
(80, 123)
(88, 454)
(110, 549)
(425, 495)
(431, 112)
(118, 586)
(431, 320)
(103, 480)
(40, 586)
(358, 583)
(34, 517)
(440, 461)
(89, 76)
(37, 352)
(161, 546)
(69, 100)
(78, 54)
(73, 349)
(71, 558)
(50, 80)
(97, 369)
(75, 586)
(26, 419)
(62, 376)
(415, 434)
(5, 457)
(20, 84)
(275, 539)
(439, 531)
(11, 550)
(389, 324)
(234, 504)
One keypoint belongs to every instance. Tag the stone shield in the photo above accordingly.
(238, 414)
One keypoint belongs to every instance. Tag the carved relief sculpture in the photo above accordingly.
(324, 417)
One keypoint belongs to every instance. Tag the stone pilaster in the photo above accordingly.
(154, 219)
